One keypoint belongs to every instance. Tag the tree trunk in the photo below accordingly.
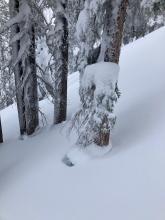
(102, 139)
(112, 52)
(111, 46)
(60, 102)
(25, 74)
(30, 88)
(74, 8)
(18, 71)
(1, 134)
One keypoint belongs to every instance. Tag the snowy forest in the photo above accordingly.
(76, 78)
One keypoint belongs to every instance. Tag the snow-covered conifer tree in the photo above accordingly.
(98, 90)
(143, 16)
(136, 22)
(57, 41)
(23, 60)
(154, 13)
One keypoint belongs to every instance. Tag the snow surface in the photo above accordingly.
(127, 184)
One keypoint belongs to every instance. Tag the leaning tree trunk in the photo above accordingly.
(111, 46)
(18, 71)
(60, 101)
(1, 134)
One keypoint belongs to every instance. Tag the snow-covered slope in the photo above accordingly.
(127, 184)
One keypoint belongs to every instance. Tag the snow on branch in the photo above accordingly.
(23, 15)
(103, 76)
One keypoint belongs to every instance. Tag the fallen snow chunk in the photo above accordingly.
(79, 154)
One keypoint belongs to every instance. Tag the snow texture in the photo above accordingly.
(127, 184)
(103, 75)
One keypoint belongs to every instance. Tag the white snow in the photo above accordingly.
(83, 19)
(79, 154)
(43, 55)
(103, 75)
(128, 183)
(158, 20)
(81, 25)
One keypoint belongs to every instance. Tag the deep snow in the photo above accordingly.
(127, 184)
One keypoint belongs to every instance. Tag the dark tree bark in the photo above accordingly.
(18, 71)
(112, 52)
(60, 102)
(30, 88)
(1, 134)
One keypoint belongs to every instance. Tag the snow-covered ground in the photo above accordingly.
(126, 184)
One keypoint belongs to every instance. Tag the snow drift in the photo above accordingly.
(128, 183)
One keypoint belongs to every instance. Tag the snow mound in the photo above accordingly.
(103, 74)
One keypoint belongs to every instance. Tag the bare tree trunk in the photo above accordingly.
(18, 71)
(30, 88)
(110, 51)
(1, 134)
(60, 102)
